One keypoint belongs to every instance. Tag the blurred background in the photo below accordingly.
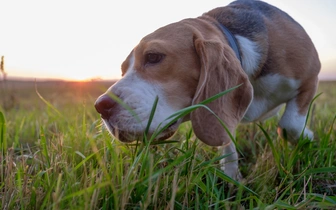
(88, 40)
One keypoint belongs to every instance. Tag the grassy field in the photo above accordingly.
(55, 154)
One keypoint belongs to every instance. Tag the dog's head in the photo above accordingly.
(182, 64)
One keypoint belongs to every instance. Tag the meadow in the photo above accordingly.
(55, 154)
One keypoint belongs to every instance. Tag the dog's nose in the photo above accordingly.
(103, 105)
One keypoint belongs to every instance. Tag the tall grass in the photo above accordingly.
(57, 155)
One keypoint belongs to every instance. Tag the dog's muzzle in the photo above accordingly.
(107, 108)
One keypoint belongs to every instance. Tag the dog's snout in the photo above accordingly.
(103, 106)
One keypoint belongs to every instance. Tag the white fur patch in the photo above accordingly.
(269, 92)
(294, 123)
(250, 55)
(229, 164)
(139, 95)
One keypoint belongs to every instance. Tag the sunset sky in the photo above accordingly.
(78, 40)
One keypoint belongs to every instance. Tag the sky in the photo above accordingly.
(81, 40)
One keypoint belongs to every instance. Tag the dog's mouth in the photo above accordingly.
(171, 126)
(131, 136)
(174, 125)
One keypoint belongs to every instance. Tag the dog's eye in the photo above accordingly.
(152, 58)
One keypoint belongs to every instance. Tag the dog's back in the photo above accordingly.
(277, 34)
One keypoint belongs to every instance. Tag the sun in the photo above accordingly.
(79, 76)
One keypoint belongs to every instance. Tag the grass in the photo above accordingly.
(55, 154)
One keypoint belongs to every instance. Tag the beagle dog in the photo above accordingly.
(249, 44)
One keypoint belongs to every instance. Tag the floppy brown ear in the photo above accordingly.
(220, 70)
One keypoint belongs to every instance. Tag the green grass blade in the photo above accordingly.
(45, 152)
(174, 117)
(274, 150)
(323, 198)
(279, 204)
(321, 170)
(218, 95)
(205, 163)
(47, 102)
(47, 196)
(228, 179)
(3, 141)
(124, 105)
(151, 116)
(309, 111)
(185, 111)
(176, 162)
(84, 161)
(331, 128)
(86, 190)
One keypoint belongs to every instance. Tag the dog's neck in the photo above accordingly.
(232, 40)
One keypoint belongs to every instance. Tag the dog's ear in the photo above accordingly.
(220, 70)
